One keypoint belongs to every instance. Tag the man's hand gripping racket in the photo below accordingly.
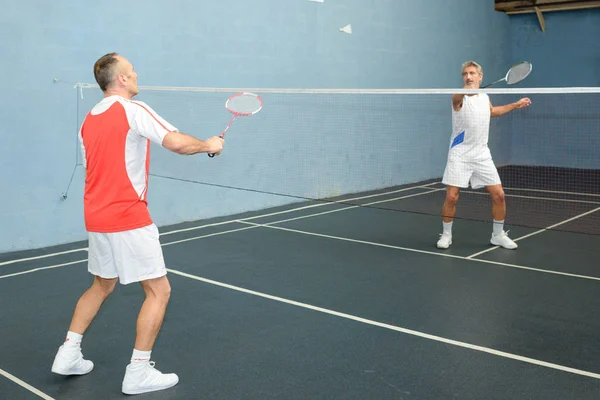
(241, 104)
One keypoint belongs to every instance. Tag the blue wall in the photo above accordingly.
(232, 43)
(567, 54)
(558, 130)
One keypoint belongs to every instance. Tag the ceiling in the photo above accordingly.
(537, 6)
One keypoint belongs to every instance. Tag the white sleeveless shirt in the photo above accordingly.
(470, 130)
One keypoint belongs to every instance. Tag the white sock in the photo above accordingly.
(447, 227)
(498, 227)
(140, 357)
(73, 340)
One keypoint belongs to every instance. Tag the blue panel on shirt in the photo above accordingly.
(458, 139)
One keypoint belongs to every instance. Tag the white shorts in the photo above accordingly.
(132, 256)
(479, 173)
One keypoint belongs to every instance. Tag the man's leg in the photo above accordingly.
(499, 237)
(449, 208)
(486, 175)
(69, 359)
(498, 202)
(152, 312)
(140, 375)
(448, 211)
(457, 174)
(142, 261)
(90, 302)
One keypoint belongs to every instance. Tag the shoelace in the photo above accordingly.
(80, 360)
(149, 371)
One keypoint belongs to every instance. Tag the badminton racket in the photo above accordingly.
(515, 74)
(241, 105)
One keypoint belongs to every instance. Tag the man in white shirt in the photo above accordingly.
(469, 157)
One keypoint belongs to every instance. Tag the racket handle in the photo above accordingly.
(211, 155)
(222, 135)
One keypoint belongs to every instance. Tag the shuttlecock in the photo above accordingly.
(347, 29)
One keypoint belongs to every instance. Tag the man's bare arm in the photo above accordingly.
(185, 144)
(497, 111)
(457, 101)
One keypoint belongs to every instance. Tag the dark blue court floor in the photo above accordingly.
(353, 303)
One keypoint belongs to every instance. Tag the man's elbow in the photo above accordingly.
(174, 142)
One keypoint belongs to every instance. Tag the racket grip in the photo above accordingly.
(222, 135)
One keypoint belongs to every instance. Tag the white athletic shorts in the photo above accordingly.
(132, 256)
(478, 173)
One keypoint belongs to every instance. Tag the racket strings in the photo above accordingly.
(518, 73)
(244, 104)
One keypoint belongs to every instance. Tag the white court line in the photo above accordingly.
(346, 208)
(393, 327)
(208, 235)
(228, 231)
(536, 232)
(42, 256)
(434, 253)
(304, 216)
(554, 191)
(269, 225)
(323, 204)
(25, 385)
(29, 271)
(235, 220)
(535, 197)
(540, 191)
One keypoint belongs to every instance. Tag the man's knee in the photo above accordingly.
(452, 195)
(105, 286)
(159, 288)
(497, 194)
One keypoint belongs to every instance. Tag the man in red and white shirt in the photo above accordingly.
(123, 241)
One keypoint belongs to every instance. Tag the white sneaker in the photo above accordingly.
(445, 240)
(503, 240)
(146, 378)
(69, 361)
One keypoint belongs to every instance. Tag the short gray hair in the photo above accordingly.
(472, 64)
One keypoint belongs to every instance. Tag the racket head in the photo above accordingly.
(244, 104)
(518, 72)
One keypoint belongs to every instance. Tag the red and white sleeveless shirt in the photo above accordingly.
(115, 143)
